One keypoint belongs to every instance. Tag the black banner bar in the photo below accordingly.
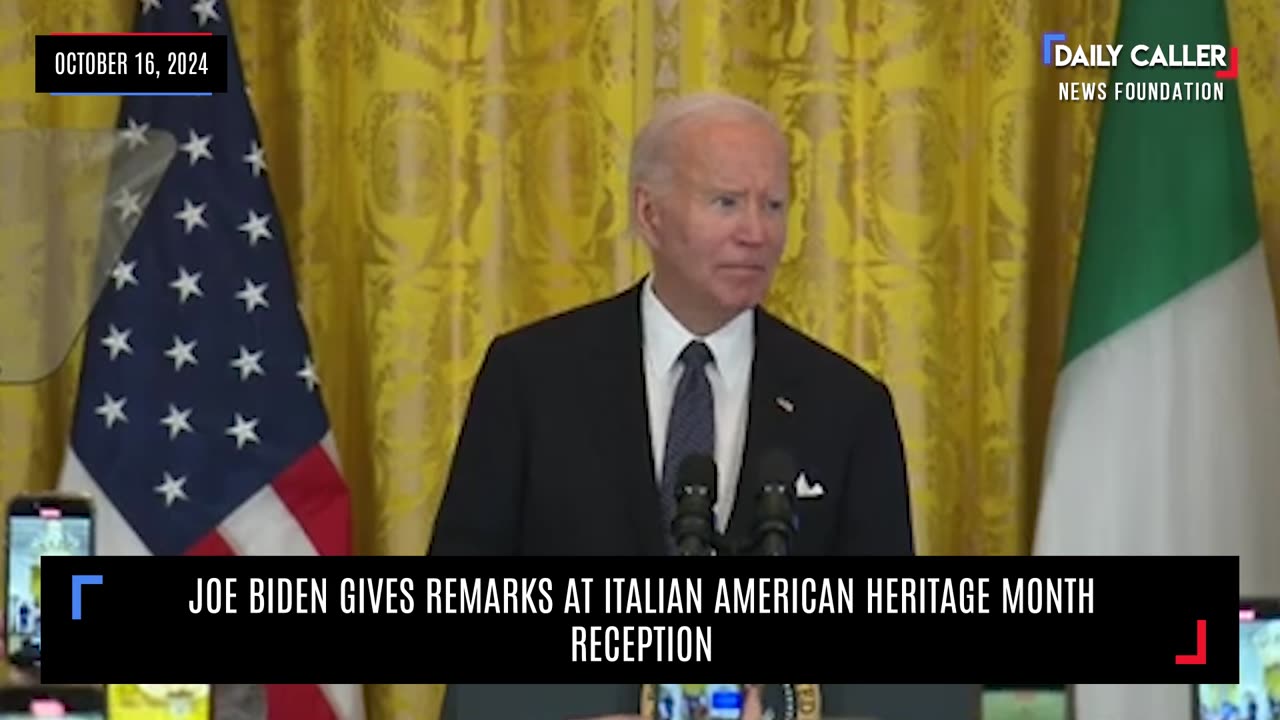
(499, 620)
(130, 63)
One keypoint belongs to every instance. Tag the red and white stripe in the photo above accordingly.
(305, 511)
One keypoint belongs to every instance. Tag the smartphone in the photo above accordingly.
(68, 702)
(38, 525)
(160, 702)
(1257, 694)
(699, 702)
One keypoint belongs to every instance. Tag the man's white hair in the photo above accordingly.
(652, 163)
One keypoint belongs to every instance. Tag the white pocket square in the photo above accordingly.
(806, 490)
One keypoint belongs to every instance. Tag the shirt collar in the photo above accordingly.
(665, 338)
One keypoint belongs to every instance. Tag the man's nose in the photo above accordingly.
(754, 229)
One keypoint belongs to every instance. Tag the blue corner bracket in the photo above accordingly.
(78, 582)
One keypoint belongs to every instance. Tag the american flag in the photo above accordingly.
(199, 427)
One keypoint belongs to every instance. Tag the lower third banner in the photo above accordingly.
(627, 620)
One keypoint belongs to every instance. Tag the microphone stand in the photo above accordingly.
(774, 527)
(693, 526)
(695, 533)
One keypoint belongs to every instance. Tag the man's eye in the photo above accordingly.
(725, 201)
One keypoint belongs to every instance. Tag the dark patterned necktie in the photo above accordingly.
(691, 429)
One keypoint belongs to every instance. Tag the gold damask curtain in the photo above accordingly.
(447, 170)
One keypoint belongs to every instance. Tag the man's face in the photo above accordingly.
(718, 230)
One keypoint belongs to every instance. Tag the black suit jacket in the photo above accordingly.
(555, 456)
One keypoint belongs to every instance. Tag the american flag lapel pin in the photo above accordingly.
(785, 404)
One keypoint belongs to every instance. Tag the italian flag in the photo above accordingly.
(1165, 434)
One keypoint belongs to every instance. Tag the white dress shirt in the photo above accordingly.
(729, 372)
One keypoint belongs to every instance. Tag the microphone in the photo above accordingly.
(693, 526)
(774, 513)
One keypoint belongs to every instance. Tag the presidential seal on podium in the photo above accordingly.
(710, 702)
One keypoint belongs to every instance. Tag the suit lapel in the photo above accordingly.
(769, 422)
(622, 409)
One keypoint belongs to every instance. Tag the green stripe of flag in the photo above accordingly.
(1158, 219)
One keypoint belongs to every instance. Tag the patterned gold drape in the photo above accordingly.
(449, 169)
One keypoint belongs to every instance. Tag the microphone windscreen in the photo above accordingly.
(777, 468)
(697, 473)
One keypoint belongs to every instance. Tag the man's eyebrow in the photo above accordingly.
(738, 192)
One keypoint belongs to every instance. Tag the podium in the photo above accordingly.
(70, 200)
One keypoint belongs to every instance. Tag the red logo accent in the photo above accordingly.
(1198, 658)
(1233, 69)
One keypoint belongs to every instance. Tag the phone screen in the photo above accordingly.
(38, 528)
(46, 701)
(159, 702)
(699, 702)
(41, 714)
(1025, 703)
(1257, 695)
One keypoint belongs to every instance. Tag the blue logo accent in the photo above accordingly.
(1047, 45)
(726, 701)
(77, 582)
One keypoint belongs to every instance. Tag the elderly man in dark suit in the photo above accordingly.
(578, 423)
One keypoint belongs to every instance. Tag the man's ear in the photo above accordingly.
(648, 215)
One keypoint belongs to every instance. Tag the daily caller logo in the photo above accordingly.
(1057, 52)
